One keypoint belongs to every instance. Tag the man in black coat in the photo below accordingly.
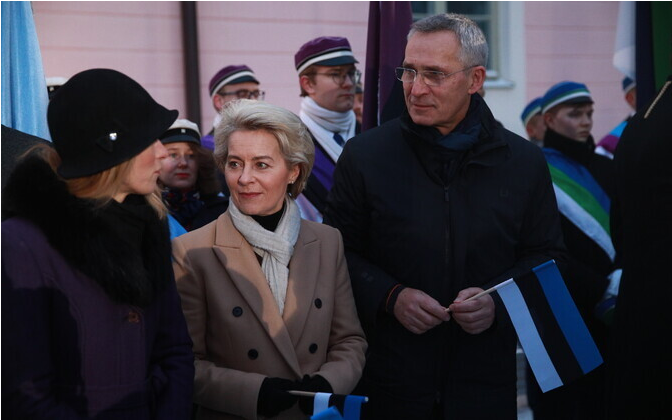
(641, 365)
(434, 207)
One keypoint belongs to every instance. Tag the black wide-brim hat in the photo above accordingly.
(101, 118)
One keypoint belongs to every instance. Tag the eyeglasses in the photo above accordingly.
(245, 94)
(430, 77)
(339, 78)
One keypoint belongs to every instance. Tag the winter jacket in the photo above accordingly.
(92, 325)
(410, 217)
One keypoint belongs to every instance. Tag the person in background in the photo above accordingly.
(584, 184)
(328, 79)
(94, 327)
(640, 366)
(434, 207)
(358, 107)
(188, 177)
(266, 294)
(533, 122)
(607, 146)
(228, 84)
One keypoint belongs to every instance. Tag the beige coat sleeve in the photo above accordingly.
(217, 388)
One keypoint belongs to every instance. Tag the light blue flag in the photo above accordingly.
(24, 89)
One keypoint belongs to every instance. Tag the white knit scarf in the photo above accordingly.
(275, 248)
(323, 123)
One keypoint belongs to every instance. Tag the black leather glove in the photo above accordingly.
(311, 384)
(274, 398)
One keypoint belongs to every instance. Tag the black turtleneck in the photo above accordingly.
(581, 151)
(271, 221)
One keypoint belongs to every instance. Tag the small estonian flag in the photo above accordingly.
(550, 329)
(330, 406)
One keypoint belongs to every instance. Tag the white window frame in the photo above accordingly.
(496, 77)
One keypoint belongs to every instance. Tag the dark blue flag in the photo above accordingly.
(389, 22)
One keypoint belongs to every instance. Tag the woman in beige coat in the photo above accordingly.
(266, 294)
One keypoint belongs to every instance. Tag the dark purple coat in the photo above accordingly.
(71, 351)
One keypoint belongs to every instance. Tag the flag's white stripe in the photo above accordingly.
(535, 351)
(321, 402)
(584, 221)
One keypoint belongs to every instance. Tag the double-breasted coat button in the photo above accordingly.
(133, 317)
(252, 354)
(237, 311)
(318, 303)
(312, 348)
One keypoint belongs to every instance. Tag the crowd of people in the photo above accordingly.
(152, 272)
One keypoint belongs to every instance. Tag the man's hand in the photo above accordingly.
(418, 312)
(474, 316)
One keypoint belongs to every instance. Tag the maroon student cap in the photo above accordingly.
(324, 51)
(230, 75)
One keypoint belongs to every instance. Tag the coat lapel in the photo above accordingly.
(245, 272)
(303, 277)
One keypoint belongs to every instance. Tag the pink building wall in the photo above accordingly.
(575, 41)
(562, 40)
(143, 40)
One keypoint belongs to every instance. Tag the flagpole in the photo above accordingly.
(312, 394)
(486, 292)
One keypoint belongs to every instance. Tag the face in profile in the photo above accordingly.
(333, 88)
(574, 121)
(144, 172)
(256, 172)
(180, 169)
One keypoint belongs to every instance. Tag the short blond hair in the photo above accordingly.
(294, 139)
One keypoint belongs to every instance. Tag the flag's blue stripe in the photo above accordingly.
(330, 413)
(535, 351)
(321, 402)
(568, 317)
(578, 174)
(352, 407)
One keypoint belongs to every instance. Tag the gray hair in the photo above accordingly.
(294, 139)
(473, 46)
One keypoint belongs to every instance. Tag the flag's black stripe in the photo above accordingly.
(554, 340)
(338, 400)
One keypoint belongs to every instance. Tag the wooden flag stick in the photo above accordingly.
(486, 292)
(312, 394)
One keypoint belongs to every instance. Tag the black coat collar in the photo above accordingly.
(581, 152)
(124, 248)
(489, 150)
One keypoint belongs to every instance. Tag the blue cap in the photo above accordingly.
(565, 93)
(628, 84)
(532, 109)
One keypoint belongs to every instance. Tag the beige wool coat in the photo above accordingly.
(239, 336)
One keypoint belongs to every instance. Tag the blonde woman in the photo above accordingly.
(92, 325)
